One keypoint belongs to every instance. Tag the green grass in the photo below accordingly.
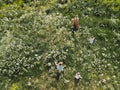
(30, 38)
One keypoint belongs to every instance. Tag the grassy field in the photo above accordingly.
(36, 33)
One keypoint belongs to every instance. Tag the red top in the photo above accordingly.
(75, 22)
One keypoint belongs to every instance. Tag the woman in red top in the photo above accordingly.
(76, 23)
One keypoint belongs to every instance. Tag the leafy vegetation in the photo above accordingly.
(34, 33)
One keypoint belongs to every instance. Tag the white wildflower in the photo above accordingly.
(114, 76)
(29, 83)
(36, 55)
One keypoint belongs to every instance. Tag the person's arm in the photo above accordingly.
(56, 63)
(78, 23)
(80, 77)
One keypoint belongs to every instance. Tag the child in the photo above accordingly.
(60, 66)
(91, 40)
(76, 78)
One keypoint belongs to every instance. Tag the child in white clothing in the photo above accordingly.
(76, 78)
(91, 40)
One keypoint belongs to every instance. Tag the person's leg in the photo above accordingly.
(75, 82)
(58, 76)
(72, 33)
(73, 30)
